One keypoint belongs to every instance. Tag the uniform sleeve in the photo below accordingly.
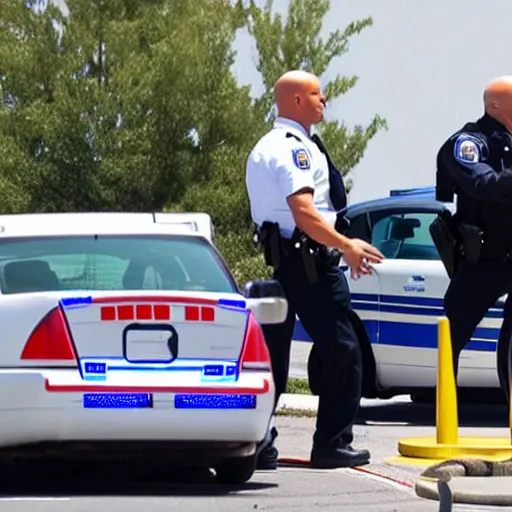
(469, 167)
(293, 168)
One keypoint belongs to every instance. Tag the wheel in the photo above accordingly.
(236, 471)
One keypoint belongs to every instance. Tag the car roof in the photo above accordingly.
(421, 198)
(105, 223)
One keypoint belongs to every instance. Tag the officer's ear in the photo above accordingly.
(297, 100)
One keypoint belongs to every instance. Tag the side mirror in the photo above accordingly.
(266, 300)
(262, 289)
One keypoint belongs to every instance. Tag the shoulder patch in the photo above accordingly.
(467, 149)
(301, 159)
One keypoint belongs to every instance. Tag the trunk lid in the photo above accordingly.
(143, 329)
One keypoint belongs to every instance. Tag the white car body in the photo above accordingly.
(183, 371)
(401, 303)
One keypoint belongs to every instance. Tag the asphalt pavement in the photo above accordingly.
(287, 489)
(381, 487)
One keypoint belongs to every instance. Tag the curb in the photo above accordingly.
(298, 402)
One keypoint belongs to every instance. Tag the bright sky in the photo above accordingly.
(422, 65)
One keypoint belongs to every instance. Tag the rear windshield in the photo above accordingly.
(111, 263)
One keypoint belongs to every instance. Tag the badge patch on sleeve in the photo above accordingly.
(301, 159)
(467, 150)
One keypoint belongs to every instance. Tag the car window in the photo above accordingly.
(404, 235)
(111, 263)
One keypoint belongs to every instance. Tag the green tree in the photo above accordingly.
(119, 104)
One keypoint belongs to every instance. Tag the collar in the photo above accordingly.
(489, 125)
(285, 123)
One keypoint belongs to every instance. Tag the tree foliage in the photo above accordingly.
(118, 105)
(132, 105)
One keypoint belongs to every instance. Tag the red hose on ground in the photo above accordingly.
(293, 461)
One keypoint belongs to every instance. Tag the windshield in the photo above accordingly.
(111, 263)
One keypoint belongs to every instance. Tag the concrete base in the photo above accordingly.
(494, 449)
(491, 491)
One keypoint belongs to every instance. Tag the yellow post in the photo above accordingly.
(509, 363)
(510, 411)
(447, 417)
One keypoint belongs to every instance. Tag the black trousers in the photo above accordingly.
(473, 290)
(335, 366)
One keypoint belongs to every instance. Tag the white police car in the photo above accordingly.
(126, 336)
(401, 302)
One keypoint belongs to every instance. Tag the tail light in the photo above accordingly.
(50, 340)
(255, 354)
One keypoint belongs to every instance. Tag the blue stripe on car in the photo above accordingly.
(411, 334)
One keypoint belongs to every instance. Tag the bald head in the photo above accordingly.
(498, 100)
(298, 97)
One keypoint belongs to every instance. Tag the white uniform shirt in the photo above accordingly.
(277, 167)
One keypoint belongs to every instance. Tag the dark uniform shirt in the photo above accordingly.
(476, 164)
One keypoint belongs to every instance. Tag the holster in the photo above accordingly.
(276, 248)
(472, 240)
(270, 239)
(309, 250)
(447, 240)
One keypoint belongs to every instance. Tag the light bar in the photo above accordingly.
(75, 302)
(215, 401)
(214, 370)
(232, 303)
(117, 401)
(94, 370)
(219, 373)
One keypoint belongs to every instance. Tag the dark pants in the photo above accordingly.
(473, 290)
(335, 366)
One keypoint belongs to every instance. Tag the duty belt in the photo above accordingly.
(321, 252)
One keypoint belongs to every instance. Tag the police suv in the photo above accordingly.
(402, 301)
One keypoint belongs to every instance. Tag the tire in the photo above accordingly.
(236, 471)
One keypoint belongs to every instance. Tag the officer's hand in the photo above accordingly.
(359, 254)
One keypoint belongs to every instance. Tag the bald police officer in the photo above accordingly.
(295, 193)
(475, 164)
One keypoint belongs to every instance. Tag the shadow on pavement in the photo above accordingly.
(112, 480)
(425, 414)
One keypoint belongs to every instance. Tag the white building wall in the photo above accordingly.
(423, 66)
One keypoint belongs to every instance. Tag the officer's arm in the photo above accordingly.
(295, 177)
(308, 219)
(469, 167)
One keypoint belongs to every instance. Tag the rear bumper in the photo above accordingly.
(45, 407)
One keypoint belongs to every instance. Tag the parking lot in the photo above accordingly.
(389, 487)
(287, 489)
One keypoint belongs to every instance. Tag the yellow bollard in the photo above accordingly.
(447, 416)
(509, 367)
(447, 444)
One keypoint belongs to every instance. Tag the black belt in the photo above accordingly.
(321, 251)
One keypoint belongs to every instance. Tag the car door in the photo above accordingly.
(412, 283)
(365, 290)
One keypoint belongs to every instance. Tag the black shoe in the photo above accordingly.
(339, 458)
(267, 459)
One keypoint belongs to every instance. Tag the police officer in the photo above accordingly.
(294, 192)
(475, 164)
